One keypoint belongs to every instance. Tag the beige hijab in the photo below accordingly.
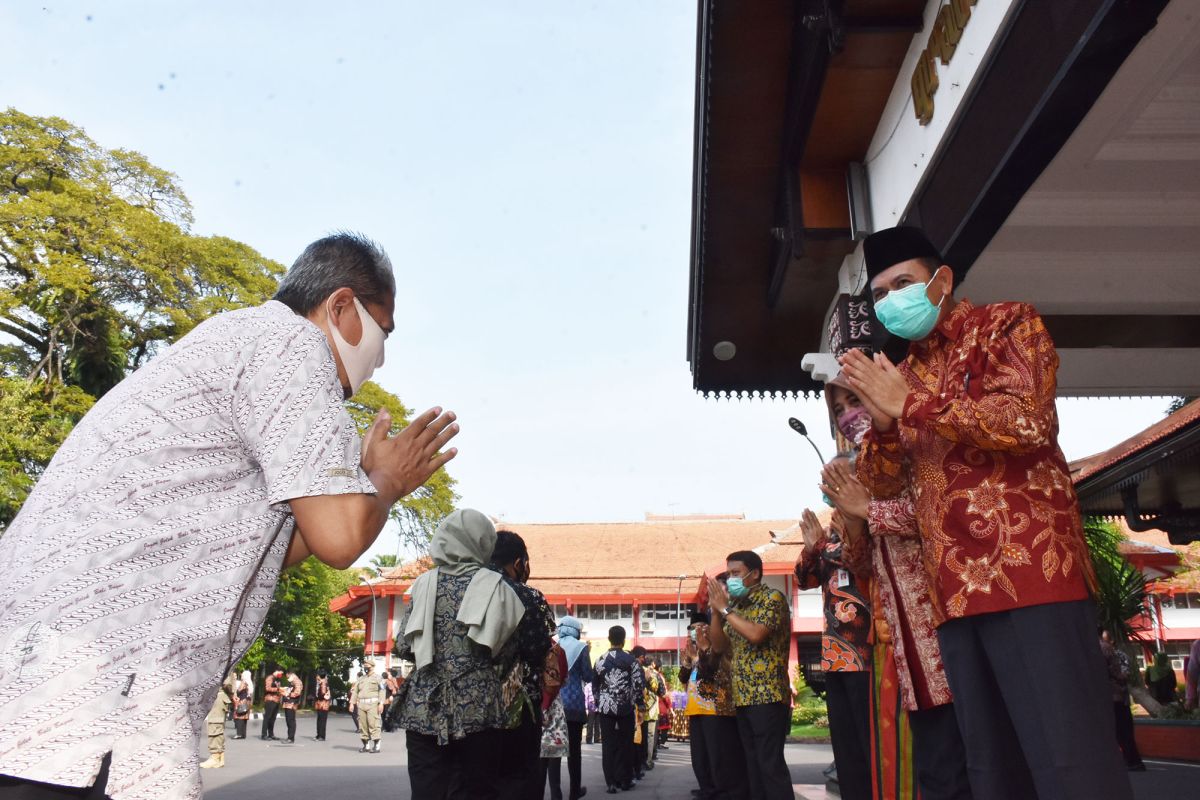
(490, 609)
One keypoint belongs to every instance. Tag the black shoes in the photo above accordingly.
(612, 790)
(364, 748)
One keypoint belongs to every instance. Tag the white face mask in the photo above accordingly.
(362, 359)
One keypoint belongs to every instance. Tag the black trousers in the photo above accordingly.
(617, 749)
(938, 754)
(322, 723)
(763, 730)
(270, 711)
(239, 728)
(520, 772)
(848, 699)
(1034, 705)
(21, 789)
(593, 727)
(701, 760)
(1123, 721)
(575, 756)
(464, 769)
(718, 759)
(642, 751)
(289, 714)
(552, 776)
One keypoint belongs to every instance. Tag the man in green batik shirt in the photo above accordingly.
(756, 629)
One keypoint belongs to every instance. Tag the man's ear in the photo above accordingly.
(947, 278)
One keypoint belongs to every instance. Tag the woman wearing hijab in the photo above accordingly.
(914, 736)
(459, 623)
(579, 675)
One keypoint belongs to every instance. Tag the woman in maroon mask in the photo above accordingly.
(912, 719)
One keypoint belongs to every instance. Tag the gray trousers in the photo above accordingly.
(1033, 704)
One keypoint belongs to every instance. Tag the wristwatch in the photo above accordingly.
(726, 611)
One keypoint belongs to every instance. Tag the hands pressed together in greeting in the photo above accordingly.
(878, 384)
(845, 490)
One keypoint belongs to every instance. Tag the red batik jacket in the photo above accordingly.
(977, 445)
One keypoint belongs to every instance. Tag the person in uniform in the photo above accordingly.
(367, 695)
(272, 694)
(293, 690)
(216, 725)
(243, 697)
(321, 701)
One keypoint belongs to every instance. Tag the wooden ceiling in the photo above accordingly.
(787, 97)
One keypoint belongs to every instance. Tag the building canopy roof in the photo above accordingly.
(1151, 480)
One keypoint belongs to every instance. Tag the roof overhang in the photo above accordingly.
(787, 95)
(1065, 172)
(356, 601)
(1151, 481)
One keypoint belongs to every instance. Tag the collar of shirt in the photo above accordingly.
(952, 325)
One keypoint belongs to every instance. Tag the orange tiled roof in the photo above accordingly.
(624, 559)
(1084, 468)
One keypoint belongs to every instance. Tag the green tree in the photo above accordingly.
(98, 271)
(1178, 403)
(418, 514)
(382, 563)
(1121, 587)
(300, 632)
(1120, 599)
(34, 419)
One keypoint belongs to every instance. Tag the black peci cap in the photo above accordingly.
(891, 246)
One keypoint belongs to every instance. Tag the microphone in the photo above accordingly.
(799, 428)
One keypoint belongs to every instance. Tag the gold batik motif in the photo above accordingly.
(977, 445)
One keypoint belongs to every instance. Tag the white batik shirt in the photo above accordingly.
(145, 558)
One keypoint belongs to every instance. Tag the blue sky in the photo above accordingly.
(528, 167)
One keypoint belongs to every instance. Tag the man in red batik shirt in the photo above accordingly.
(967, 423)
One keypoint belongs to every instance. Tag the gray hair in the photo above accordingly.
(343, 259)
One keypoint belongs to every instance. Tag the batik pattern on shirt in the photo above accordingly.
(903, 604)
(619, 683)
(147, 554)
(573, 695)
(459, 692)
(715, 682)
(760, 673)
(977, 446)
(842, 568)
(533, 640)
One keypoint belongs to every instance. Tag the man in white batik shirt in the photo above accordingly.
(147, 554)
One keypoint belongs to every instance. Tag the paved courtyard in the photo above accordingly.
(335, 770)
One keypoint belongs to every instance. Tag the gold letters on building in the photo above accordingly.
(947, 31)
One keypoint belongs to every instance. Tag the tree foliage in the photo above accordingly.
(99, 270)
(300, 632)
(382, 563)
(418, 514)
(98, 267)
(1121, 587)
